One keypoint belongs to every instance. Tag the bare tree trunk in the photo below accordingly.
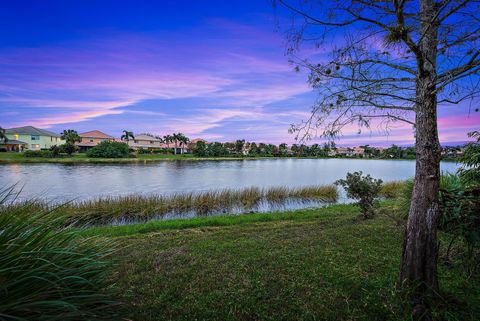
(419, 259)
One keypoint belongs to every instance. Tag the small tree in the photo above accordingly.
(365, 189)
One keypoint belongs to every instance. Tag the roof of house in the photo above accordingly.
(30, 130)
(12, 142)
(147, 137)
(95, 134)
(195, 140)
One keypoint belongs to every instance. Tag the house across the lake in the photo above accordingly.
(91, 139)
(145, 141)
(29, 137)
(347, 151)
(192, 144)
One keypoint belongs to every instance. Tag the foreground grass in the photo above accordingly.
(324, 264)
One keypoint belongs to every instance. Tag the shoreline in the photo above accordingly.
(82, 159)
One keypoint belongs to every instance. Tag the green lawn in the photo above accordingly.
(324, 264)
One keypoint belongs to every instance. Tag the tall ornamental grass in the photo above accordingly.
(48, 272)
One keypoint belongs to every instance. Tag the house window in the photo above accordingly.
(51, 138)
(35, 137)
(91, 140)
(35, 146)
(135, 141)
(151, 142)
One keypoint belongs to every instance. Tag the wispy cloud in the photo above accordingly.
(235, 84)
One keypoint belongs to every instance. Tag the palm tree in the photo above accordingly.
(183, 139)
(71, 136)
(175, 138)
(3, 136)
(127, 135)
(167, 139)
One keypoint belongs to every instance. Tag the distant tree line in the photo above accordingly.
(240, 148)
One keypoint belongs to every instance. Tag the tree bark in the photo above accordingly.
(419, 259)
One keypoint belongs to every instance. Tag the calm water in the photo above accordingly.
(60, 183)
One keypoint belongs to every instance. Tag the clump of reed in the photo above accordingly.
(322, 193)
(277, 194)
(48, 272)
(249, 197)
(319, 193)
(392, 189)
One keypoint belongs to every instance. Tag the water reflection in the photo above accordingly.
(66, 182)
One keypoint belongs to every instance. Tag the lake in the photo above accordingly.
(61, 182)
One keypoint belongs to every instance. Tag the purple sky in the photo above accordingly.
(217, 72)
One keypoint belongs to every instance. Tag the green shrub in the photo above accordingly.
(68, 148)
(365, 189)
(143, 151)
(38, 153)
(107, 149)
(56, 150)
(48, 272)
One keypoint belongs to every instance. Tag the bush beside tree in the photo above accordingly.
(365, 189)
(107, 149)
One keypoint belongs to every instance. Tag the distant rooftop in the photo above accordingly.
(30, 130)
(147, 137)
(95, 134)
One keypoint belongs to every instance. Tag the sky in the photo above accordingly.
(216, 70)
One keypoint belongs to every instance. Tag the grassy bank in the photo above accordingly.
(324, 264)
(19, 158)
(9, 158)
(82, 158)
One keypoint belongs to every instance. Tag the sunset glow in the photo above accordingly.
(218, 71)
